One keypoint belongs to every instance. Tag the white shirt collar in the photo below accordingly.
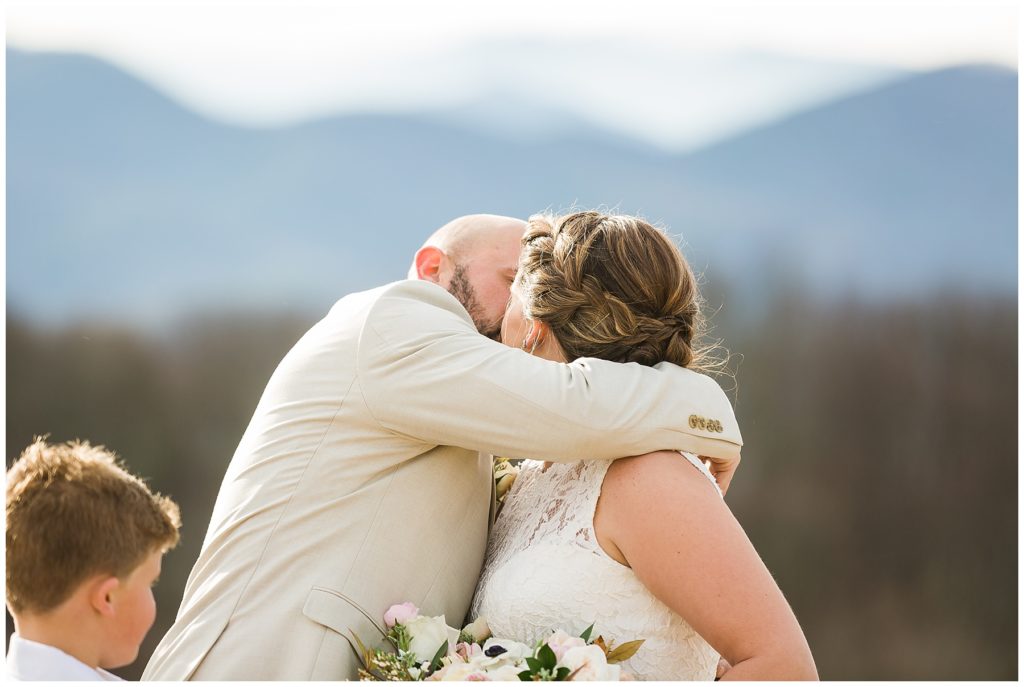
(28, 660)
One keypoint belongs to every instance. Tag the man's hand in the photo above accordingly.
(723, 469)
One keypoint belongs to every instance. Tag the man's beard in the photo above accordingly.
(464, 293)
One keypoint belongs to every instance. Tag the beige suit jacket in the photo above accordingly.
(364, 478)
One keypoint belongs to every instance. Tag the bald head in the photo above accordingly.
(475, 258)
(464, 235)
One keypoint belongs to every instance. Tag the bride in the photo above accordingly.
(644, 547)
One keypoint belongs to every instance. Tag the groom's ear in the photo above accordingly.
(429, 260)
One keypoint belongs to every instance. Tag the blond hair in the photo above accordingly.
(73, 512)
(612, 287)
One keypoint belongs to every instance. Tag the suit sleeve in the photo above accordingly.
(426, 373)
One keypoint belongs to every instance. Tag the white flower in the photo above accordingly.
(511, 647)
(514, 654)
(426, 635)
(514, 651)
(591, 663)
(561, 641)
(478, 629)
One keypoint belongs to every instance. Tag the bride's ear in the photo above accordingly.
(536, 336)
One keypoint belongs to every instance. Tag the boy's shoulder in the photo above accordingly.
(33, 661)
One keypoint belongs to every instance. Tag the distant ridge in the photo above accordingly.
(136, 208)
(916, 180)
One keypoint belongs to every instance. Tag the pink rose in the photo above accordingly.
(400, 614)
(560, 642)
(467, 651)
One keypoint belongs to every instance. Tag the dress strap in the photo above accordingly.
(591, 478)
(699, 464)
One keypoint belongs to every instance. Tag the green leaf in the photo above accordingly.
(624, 652)
(526, 676)
(586, 633)
(547, 657)
(562, 673)
(534, 664)
(398, 638)
(435, 663)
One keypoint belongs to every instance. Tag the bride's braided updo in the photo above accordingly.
(611, 287)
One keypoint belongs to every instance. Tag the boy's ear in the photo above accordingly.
(101, 594)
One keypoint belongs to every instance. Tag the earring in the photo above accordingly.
(533, 347)
(536, 332)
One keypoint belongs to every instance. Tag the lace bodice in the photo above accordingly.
(545, 570)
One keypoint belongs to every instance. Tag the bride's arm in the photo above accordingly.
(664, 518)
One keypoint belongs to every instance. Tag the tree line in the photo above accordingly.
(878, 480)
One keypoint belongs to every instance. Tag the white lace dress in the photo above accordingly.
(545, 570)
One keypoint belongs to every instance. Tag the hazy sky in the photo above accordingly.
(270, 62)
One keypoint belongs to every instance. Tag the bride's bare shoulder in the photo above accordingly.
(641, 493)
(654, 474)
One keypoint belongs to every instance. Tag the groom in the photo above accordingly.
(364, 477)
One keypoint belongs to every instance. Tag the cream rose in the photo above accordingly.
(478, 629)
(426, 635)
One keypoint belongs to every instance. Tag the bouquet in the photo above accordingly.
(426, 648)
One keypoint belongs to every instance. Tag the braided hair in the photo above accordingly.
(611, 287)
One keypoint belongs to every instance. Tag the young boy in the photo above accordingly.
(84, 544)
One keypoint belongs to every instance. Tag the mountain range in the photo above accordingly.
(123, 204)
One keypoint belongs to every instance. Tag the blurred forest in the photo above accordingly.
(879, 480)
